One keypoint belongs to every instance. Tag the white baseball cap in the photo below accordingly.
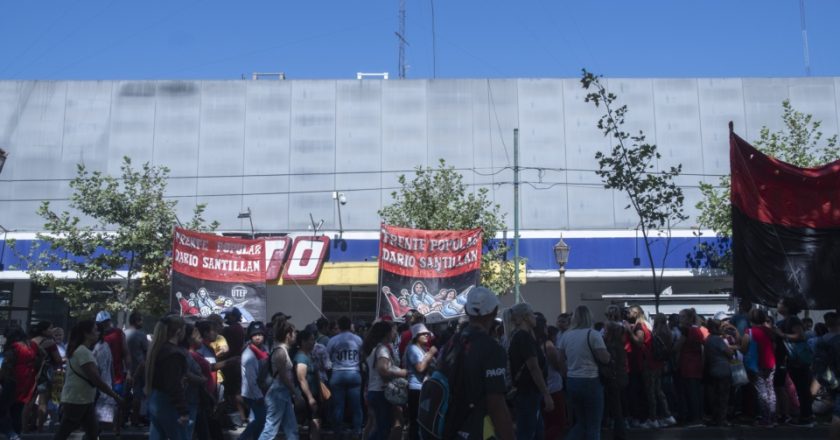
(103, 316)
(481, 302)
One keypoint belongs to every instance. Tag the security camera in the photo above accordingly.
(342, 199)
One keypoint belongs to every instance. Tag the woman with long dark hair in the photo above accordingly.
(196, 379)
(382, 368)
(279, 400)
(11, 409)
(309, 381)
(81, 383)
(166, 368)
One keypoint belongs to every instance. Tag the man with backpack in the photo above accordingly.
(465, 398)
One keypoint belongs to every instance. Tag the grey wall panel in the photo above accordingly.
(591, 208)
(9, 111)
(541, 129)
(763, 105)
(176, 140)
(266, 156)
(40, 129)
(312, 158)
(492, 151)
(86, 120)
(543, 207)
(815, 96)
(677, 129)
(583, 138)
(358, 128)
(450, 123)
(132, 123)
(404, 125)
(721, 101)
(364, 198)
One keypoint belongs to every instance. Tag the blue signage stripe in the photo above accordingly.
(586, 253)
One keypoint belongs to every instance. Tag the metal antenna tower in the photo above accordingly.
(804, 38)
(401, 36)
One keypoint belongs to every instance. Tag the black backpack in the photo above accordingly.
(826, 362)
(441, 405)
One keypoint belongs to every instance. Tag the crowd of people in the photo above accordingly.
(510, 375)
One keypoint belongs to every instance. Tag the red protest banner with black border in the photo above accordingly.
(212, 273)
(429, 271)
(785, 229)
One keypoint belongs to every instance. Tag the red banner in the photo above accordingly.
(217, 258)
(418, 253)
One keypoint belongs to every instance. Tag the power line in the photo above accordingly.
(533, 184)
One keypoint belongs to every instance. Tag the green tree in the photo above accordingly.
(798, 143)
(121, 260)
(630, 167)
(437, 199)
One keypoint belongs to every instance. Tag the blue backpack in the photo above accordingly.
(751, 358)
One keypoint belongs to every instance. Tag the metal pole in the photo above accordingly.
(805, 50)
(516, 213)
(562, 290)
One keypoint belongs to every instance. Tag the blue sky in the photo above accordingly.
(210, 39)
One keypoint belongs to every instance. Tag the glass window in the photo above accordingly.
(357, 303)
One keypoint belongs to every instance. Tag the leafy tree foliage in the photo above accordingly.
(438, 199)
(630, 167)
(120, 260)
(798, 143)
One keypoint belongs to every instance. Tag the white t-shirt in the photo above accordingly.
(579, 358)
(375, 380)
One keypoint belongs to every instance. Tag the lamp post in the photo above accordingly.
(247, 214)
(561, 255)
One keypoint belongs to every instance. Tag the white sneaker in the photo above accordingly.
(635, 424)
(645, 425)
(670, 421)
(654, 424)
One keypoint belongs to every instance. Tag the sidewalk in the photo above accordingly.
(731, 433)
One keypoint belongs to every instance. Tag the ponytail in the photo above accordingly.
(165, 329)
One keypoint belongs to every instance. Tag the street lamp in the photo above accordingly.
(3, 156)
(561, 255)
(247, 214)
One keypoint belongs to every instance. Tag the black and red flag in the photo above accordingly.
(785, 228)
(429, 271)
(212, 273)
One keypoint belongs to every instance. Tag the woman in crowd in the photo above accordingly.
(106, 407)
(279, 399)
(166, 369)
(527, 367)
(16, 377)
(689, 348)
(615, 385)
(206, 399)
(663, 369)
(346, 380)
(581, 351)
(81, 382)
(718, 357)
(639, 334)
(196, 380)
(309, 382)
(381, 369)
(419, 362)
(760, 362)
(42, 334)
(253, 355)
(790, 333)
(555, 421)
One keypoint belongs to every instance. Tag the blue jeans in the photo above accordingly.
(164, 419)
(280, 412)
(384, 413)
(346, 385)
(255, 426)
(586, 399)
(529, 418)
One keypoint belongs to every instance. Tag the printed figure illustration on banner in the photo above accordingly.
(429, 271)
(212, 273)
